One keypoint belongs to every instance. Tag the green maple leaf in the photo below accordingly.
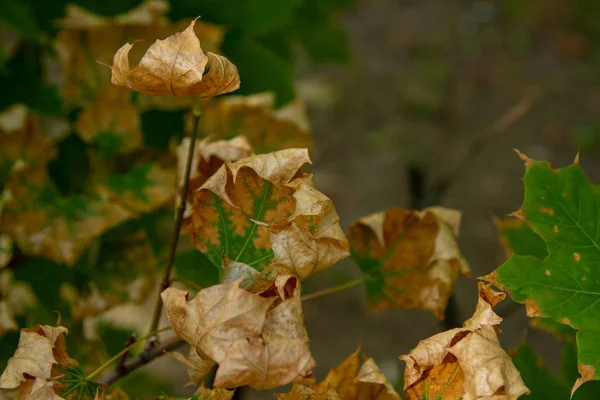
(563, 207)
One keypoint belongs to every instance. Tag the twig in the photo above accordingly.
(511, 117)
(334, 289)
(166, 279)
(123, 359)
(120, 354)
(141, 359)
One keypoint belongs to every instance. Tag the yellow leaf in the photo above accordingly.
(257, 340)
(465, 362)
(411, 259)
(255, 117)
(177, 66)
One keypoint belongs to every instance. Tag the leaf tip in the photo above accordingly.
(528, 161)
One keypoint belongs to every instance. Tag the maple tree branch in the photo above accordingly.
(334, 289)
(508, 119)
(145, 357)
(166, 278)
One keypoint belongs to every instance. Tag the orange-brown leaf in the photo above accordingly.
(465, 362)
(411, 257)
(176, 65)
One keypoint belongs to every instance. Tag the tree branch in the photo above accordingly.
(145, 357)
(166, 279)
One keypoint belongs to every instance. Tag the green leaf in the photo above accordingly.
(261, 69)
(191, 265)
(563, 207)
(518, 238)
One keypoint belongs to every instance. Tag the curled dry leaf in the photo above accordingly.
(266, 128)
(86, 38)
(258, 340)
(348, 381)
(465, 362)
(33, 365)
(44, 223)
(115, 131)
(264, 212)
(209, 156)
(178, 66)
(410, 259)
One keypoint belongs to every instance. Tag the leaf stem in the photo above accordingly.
(125, 350)
(166, 278)
(334, 289)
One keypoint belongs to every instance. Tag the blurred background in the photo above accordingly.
(410, 102)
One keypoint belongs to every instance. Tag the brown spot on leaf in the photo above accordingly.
(583, 278)
(564, 194)
(576, 257)
(546, 210)
(533, 308)
(566, 321)
(548, 273)
(555, 229)
(518, 214)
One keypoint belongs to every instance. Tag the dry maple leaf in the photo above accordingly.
(349, 381)
(258, 340)
(208, 158)
(410, 259)
(176, 65)
(465, 362)
(86, 37)
(31, 369)
(264, 212)
(266, 128)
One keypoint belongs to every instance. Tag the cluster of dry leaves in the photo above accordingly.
(261, 219)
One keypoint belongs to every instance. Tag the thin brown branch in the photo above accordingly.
(331, 290)
(507, 120)
(145, 357)
(166, 278)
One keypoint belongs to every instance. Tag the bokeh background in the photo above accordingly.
(410, 102)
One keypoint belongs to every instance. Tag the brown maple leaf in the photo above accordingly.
(258, 340)
(412, 258)
(178, 66)
(465, 362)
(32, 367)
(349, 381)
